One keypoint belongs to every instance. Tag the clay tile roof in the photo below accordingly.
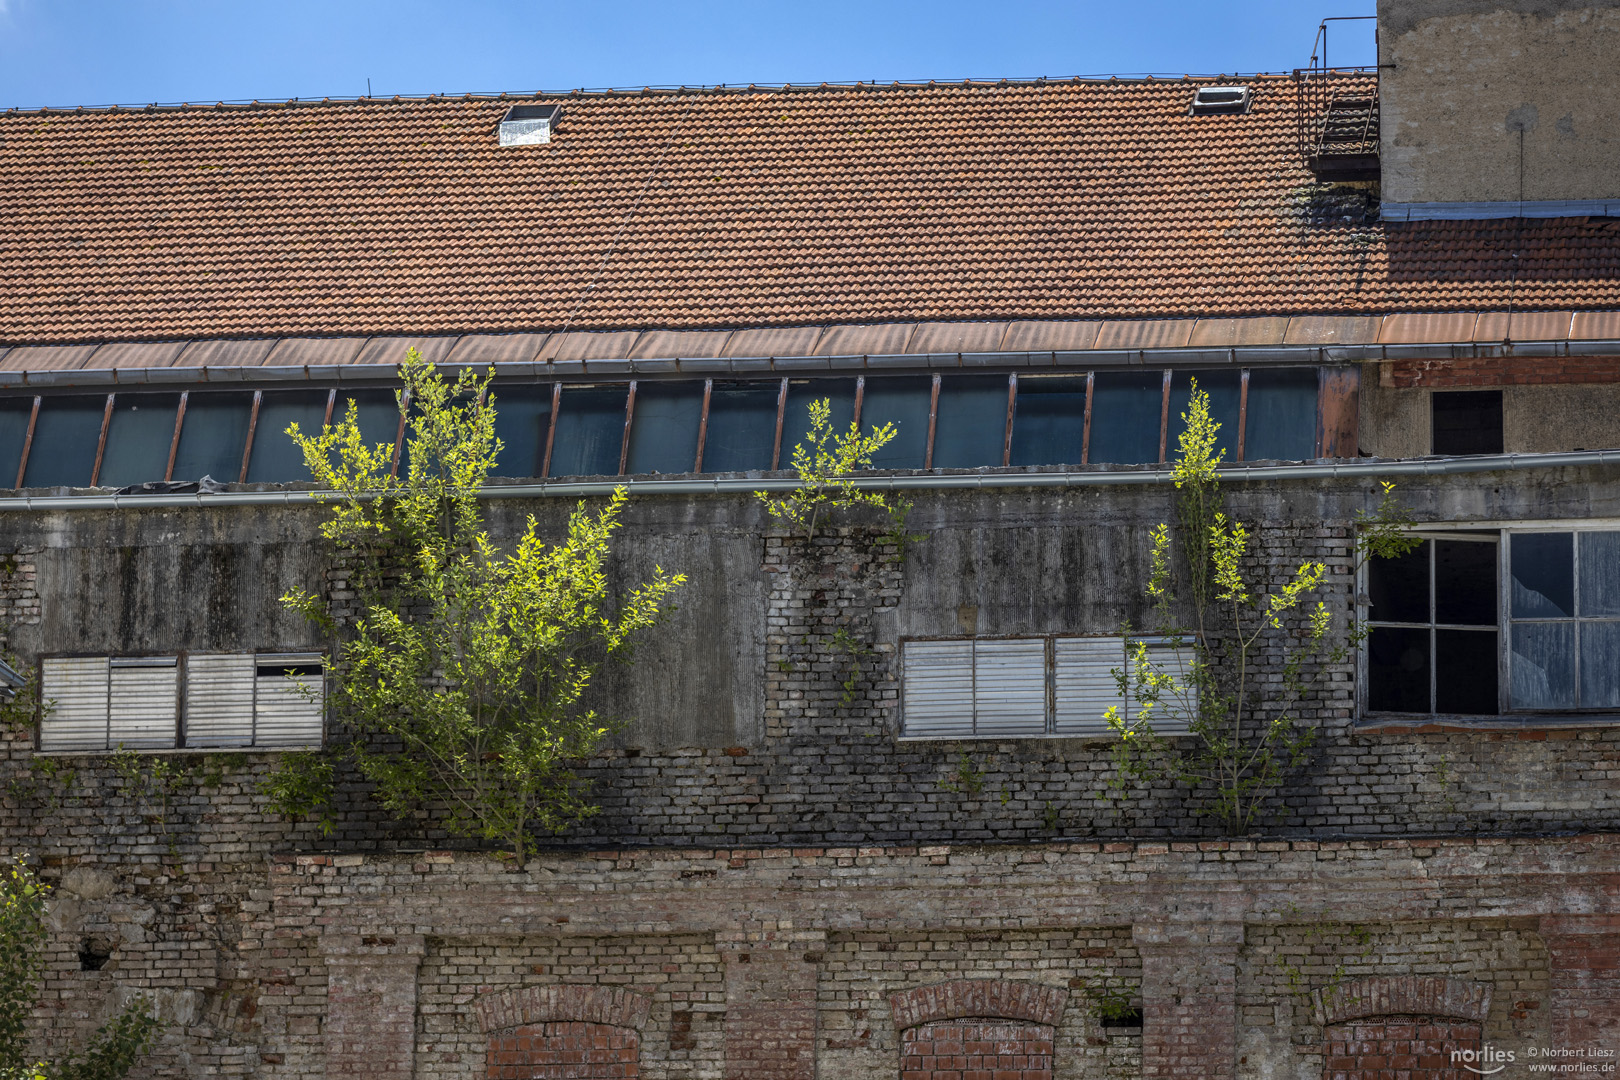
(990, 203)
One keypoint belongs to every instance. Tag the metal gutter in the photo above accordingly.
(1239, 474)
(1499, 209)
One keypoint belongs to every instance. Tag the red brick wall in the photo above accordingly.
(564, 1051)
(974, 1049)
(1399, 1048)
(1502, 371)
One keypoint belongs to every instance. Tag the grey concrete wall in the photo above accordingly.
(1465, 81)
(1396, 422)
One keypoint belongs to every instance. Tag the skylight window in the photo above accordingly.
(528, 125)
(1216, 100)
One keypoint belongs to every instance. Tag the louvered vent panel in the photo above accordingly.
(74, 692)
(219, 699)
(938, 688)
(1009, 694)
(287, 709)
(143, 704)
(1085, 686)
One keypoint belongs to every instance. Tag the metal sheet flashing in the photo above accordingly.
(1494, 210)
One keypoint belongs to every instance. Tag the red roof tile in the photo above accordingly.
(991, 203)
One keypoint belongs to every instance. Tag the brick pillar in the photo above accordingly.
(1189, 999)
(1584, 983)
(771, 1005)
(371, 1005)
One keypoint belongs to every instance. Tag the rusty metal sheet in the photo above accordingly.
(589, 345)
(1050, 336)
(1333, 330)
(1455, 326)
(314, 352)
(776, 341)
(1146, 334)
(497, 349)
(49, 357)
(1595, 326)
(957, 337)
(222, 354)
(1494, 326)
(155, 354)
(1231, 333)
(392, 350)
(1340, 412)
(669, 344)
(881, 339)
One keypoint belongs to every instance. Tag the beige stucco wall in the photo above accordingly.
(1463, 79)
(1395, 423)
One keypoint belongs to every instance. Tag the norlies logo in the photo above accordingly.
(1485, 1061)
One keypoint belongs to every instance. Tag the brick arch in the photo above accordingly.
(567, 1003)
(999, 999)
(1408, 995)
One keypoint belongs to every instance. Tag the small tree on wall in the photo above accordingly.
(461, 683)
(1256, 652)
(115, 1048)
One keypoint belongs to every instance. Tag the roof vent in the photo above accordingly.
(1214, 100)
(528, 125)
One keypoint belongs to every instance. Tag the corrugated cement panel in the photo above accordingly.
(314, 352)
(882, 339)
(226, 353)
(1595, 326)
(950, 337)
(776, 341)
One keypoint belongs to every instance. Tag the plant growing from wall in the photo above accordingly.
(825, 463)
(461, 683)
(1210, 601)
(114, 1049)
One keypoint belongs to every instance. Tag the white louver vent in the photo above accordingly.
(142, 703)
(1009, 691)
(219, 699)
(287, 699)
(1085, 687)
(74, 692)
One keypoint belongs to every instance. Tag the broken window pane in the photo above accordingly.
(14, 414)
(741, 435)
(590, 431)
(1467, 422)
(1126, 408)
(522, 418)
(1399, 587)
(901, 400)
(1600, 574)
(664, 427)
(275, 458)
(796, 417)
(1281, 417)
(1225, 389)
(139, 435)
(65, 440)
(970, 425)
(1049, 422)
(1543, 663)
(1600, 665)
(1543, 576)
(1398, 669)
(212, 436)
(1465, 671)
(1464, 583)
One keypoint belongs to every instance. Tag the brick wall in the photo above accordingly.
(971, 1049)
(1399, 1048)
(564, 1051)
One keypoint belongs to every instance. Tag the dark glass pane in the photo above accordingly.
(1544, 665)
(796, 417)
(139, 436)
(1400, 587)
(1465, 672)
(1467, 422)
(664, 428)
(522, 418)
(970, 425)
(742, 426)
(65, 441)
(901, 400)
(1225, 390)
(276, 458)
(1600, 573)
(1126, 407)
(1543, 575)
(1049, 424)
(212, 437)
(1600, 665)
(14, 414)
(1398, 670)
(590, 431)
(377, 410)
(1281, 418)
(1464, 583)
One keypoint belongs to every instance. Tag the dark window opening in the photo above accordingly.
(1126, 408)
(970, 423)
(94, 953)
(741, 435)
(1467, 422)
(1445, 658)
(901, 400)
(66, 438)
(664, 427)
(1127, 1018)
(1049, 423)
(840, 394)
(213, 436)
(1225, 389)
(1280, 419)
(275, 458)
(590, 431)
(140, 434)
(522, 422)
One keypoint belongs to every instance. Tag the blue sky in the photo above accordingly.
(98, 52)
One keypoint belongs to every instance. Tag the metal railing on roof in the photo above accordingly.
(1337, 125)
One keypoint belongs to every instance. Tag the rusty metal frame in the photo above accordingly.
(1243, 412)
(101, 444)
(253, 429)
(703, 425)
(629, 415)
(28, 442)
(1164, 417)
(1006, 435)
(933, 418)
(551, 429)
(781, 410)
(174, 443)
(1085, 431)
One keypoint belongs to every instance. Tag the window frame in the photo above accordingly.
(1507, 715)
